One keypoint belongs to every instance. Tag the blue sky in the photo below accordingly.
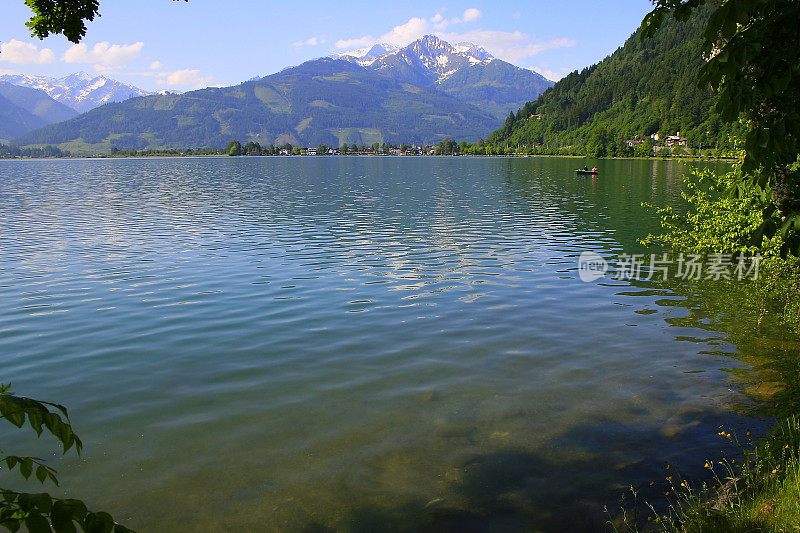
(161, 44)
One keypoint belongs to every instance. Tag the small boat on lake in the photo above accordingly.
(586, 171)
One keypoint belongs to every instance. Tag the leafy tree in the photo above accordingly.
(40, 512)
(643, 149)
(10, 151)
(754, 63)
(253, 148)
(234, 148)
(446, 147)
(65, 17)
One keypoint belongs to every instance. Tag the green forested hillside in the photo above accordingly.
(643, 88)
(322, 101)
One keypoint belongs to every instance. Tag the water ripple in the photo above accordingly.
(337, 329)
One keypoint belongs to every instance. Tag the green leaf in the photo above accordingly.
(77, 508)
(36, 523)
(43, 502)
(11, 525)
(62, 519)
(35, 420)
(25, 467)
(7, 512)
(25, 503)
(99, 523)
(41, 473)
(15, 417)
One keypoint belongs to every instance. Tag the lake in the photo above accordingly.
(356, 343)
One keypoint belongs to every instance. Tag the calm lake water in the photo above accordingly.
(359, 344)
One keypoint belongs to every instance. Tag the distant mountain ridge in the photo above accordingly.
(80, 91)
(321, 101)
(433, 58)
(465, 71)
(24, 109)
(15, 120)
(421, 93)
(37, 102)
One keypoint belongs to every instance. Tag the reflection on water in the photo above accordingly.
(355, 343)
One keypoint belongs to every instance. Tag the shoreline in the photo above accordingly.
(507, 156)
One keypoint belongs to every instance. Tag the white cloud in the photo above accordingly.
(311, 41)
(156, 65)
(346, 44)
(103, 69)
(104, 53)
(186, 77)
(405, 33)
(438, 21)
(514, 47)
(471, 14)
(551, 75)
(511, 46)
(413, 29)
(22, 53)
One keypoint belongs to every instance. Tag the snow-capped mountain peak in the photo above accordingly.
(378, 50)
(473, 50)
(433, 58)
(80, 91)
(77, 77)
(366, 56)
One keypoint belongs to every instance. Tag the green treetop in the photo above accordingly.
(753, 61)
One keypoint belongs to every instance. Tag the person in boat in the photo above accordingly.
(585, 168)
(594, 169)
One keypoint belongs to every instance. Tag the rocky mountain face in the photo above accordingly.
(80, 91)
(465, 71)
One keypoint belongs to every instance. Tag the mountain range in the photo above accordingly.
(465, 71)
(80, 91)
(23, 109)
(424, 92)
